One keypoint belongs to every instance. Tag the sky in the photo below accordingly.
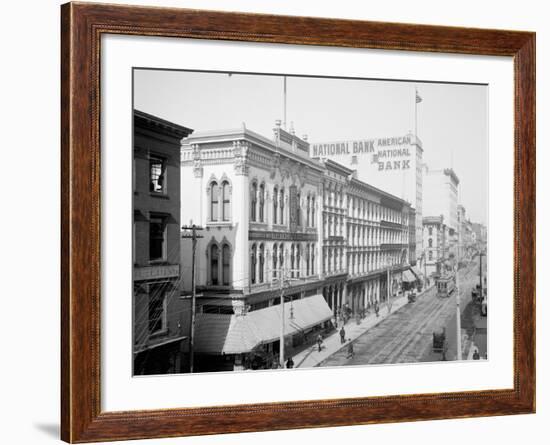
(451, 119)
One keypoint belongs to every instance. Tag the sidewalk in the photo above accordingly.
(311, 357)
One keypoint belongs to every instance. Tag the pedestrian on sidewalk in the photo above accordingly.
(290, 363)
(351, 353)
(377, 309)
(342, 335)
(476, 355)
(320, 342)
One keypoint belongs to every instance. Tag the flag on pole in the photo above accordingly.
(418, 98)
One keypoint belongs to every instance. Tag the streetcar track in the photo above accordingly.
(400, 337)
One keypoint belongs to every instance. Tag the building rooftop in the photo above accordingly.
(142, 119)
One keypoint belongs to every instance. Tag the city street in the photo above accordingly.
(406, 335)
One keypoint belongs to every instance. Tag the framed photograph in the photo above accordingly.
(274, 222)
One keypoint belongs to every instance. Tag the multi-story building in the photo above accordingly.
(441, 198)
(393, 164)
(479, 234)
(412, 240)
(334, 235)
(159, 336)
(277, 222)
(378, 244)
(435, 239)
(258, 201)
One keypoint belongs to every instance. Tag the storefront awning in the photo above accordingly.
(408, 276)
(237, 334)
(417, 272)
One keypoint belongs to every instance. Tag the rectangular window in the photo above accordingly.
(157, 174)
(157, 238)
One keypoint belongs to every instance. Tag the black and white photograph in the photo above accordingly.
(287, 221)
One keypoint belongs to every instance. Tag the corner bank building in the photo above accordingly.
(278, 222)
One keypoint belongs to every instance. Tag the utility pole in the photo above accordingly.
(458, 321)
(282, 281)
(282, 334)
(193, 236)
(388, 288)
(425, 274)
(480, 275)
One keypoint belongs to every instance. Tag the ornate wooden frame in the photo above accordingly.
(81, 28)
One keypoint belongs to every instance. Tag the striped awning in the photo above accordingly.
(237, 334)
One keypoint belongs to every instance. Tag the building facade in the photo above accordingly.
(279, 224)
(436, 251)
(159, 339)
(258, 200)
(441, 198)
(393, 164)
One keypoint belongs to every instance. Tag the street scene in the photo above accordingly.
(284, 222)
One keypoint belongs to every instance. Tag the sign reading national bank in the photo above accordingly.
(392, 153)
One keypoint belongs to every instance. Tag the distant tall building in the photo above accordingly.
(435, 240)
(441, 198)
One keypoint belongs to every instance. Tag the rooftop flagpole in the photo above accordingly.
(284, 102)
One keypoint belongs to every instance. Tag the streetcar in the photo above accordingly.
(445, 285)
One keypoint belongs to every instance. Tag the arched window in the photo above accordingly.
(226, 201)
(298, 210)
(253, 201)
(275, 204)
(292, 253)
(214, 201)
(313, 211)
(262, 200)
(214, 264)
(262, 262)
(282, 206)
(298, 260)
(430, 231)
(274, 261)
(226, 260)
(430, 242)
(312, 259)
(307, 260)
(253, 264)
(307, 211)
(281, 256)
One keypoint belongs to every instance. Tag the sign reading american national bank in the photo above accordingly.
(392, 153)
